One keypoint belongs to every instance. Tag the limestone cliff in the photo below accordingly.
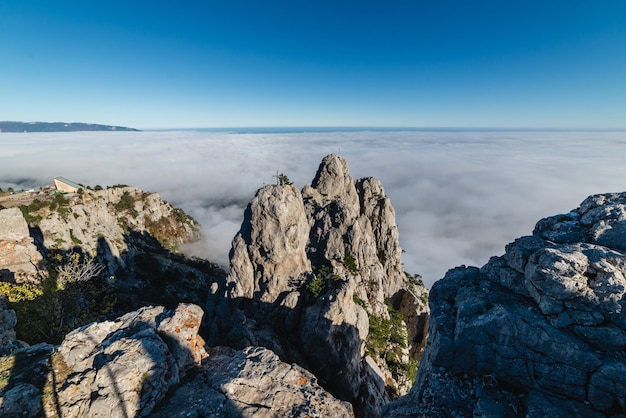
(317, 277)
(127, 237)
(539, 331)
(104, 217)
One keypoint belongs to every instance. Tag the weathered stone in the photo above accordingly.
(269, 251)
(22, 400)
(539, 331)
(19, 259)
(125, 367)
(306, 271)
(251, 383)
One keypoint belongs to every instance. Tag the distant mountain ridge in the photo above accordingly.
(12, 126)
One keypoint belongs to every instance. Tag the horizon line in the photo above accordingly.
(383, 128)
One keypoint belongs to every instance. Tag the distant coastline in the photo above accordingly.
(13, 126)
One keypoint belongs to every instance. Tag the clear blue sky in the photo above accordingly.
(175, 64)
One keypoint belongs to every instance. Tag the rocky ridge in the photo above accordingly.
(539, 331)
(314, 275)
(128, 237)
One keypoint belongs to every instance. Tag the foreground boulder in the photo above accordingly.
(153, 362)
(252, 382)
(539, 331)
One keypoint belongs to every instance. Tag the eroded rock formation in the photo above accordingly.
(309, 269)
(539, 331)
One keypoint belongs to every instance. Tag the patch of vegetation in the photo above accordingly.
(415, 279)
(387, 339)
(30, 218)
(126, 202)
(350, 263)
(98, 187)
(164, 231)
(283, 180)
(359, 301)
(72, 295)
(20, 292)
(316, 286)
(74, 239)
(183, 218)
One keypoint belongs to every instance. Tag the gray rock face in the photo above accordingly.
(108, 215)
(269, 252)
(252, 382)
(19, 259)
(539, 331)
(126, 367)
(307, 270)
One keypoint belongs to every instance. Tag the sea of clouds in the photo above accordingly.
(459, 197)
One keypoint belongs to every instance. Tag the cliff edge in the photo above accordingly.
(539, 331)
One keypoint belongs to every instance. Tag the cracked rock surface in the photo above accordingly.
(252, 382)
(539, 331)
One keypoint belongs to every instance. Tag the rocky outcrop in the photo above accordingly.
(128, 235)
(539, 331)
(104, 217)
(309, 270)
(252, 382)
(125, 367)
(153, 362)
(270, 250)
(19, 259)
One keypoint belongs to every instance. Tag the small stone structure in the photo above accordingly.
(64, 185)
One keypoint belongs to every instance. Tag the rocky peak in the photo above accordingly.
(309, 268)
(333, 180)
(269, 252)
(539, 331)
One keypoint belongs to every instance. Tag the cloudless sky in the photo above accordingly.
(441, 63)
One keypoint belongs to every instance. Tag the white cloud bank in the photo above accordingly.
(460, 197)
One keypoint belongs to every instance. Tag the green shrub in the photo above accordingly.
(316, 285)
(387, 339)
(30, 219)
(350, 263)
(71, 296)
(359, 301)
(20, 292)
(126, 202)
(74, 239)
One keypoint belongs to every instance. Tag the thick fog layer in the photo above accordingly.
(460, 197)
